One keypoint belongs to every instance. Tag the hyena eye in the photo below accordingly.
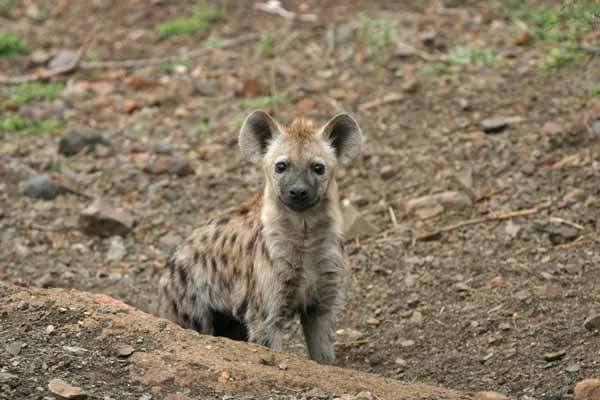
(318, 168)
(280, 167)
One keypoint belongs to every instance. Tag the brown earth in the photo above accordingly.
(475, 308)
(167, 361)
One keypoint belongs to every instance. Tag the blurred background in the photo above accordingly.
(473, 212)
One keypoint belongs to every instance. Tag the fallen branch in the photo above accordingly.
(71, 66)
(475, 221)
(145, 62)
(386, 99)
(77, 63)
(275, 7)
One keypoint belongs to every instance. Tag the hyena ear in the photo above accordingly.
(258, 130)
(345, 136)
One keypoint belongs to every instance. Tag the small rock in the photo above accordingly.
(596, 127)
(551, 128)
(316, 393)
(588, 389)
(102, 151)
(592, 323)
(558, 233)
(407, 343)
(267, 360)
(497, 124)
(416, 318)
(102, 219)
(388, 172)
(365, 396)
(504, 326)
(165, 164)
(490, 396)
(14, 348)
(523, 37)
(128, 106)
(224, 376)
(39, 57)
(75, 350)
(62, 59)
(116, 249)
(373, 321)
(350, 334)
(400, 362)
(283, 365)
(169, 241)
(124, 350)
(573, 368)
(43, 187)
(447, 200)
(512, 229)
(50, 329)
(78, 139)
(354, 223)
(554, 356)
(163, 148)
(64, 390)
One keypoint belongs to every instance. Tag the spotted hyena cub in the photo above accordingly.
(248, 271)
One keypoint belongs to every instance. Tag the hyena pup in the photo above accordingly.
(248, 271)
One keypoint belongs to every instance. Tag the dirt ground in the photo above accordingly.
(478, 307)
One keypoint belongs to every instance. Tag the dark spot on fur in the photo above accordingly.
(216, 234)
(174, 307)
(223, 260)
(244, 210)
(186, 318)
(194, 298)
(232, 239)
(213, 264)
(197, 325)
(250, 245)
(196, 256)
(170, 264)
(222, 221)
(183, 277)
(241, 311)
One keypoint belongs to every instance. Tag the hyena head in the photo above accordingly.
(299, 161)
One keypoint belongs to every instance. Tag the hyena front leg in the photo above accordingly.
(319, 331)
(266, 327)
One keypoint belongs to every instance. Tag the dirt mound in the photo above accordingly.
(111, 350)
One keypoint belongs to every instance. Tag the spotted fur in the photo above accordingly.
(249, 270)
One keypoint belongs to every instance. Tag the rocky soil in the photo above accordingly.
(475, 263)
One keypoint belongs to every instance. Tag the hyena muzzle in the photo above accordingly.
(246, 272)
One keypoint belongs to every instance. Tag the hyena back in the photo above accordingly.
(248, 271)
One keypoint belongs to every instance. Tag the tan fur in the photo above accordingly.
(250, 269)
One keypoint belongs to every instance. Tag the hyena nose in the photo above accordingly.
(298, 193)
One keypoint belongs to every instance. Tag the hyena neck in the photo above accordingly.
(322, 221)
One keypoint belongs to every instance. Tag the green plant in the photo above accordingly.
(16, 123)
(435, 69)
(11, 44)
(6, 7)
(46, 91)
(379, 36)
(592, 91)
(263, 101)
(201, 19)
(264, 48)
(465, 56)
(204, 125)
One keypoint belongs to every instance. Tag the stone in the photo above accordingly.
(169, 241)
(588, 389)
(349, 334)
(102, 219)
(365, 396)
(79, 139)
(14, 348)
(62, 59)
(523, 37)
(592, 322)
(400, 362)
(573, 368)
(596, 127)
(388, 172)
(498, 124)
(43, 187)
(128, 106)
(554, 356)
(354, 223)
(410, 86)
(490, 396)
(450, 200)
(551, 128)
(512, 229)
(316, 393)
(116, 249)
(124, 350)
(64, 390)
(50, 329)
(168, 164)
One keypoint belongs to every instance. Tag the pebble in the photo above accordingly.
(554, 356)
(498, 124)
(407, 343)
(169, 241)
(592, 323)
(43, 187)
(124, 350)
(316, 393)
(14, 348)
(596, 127)
(9, 379)
(78, 139)
(116, 249)
(573, 368)
(450, 200)
(102, 219)
(64, 390)
(588, 389)
(62, 59)
(168, 164)
(50, 329)
(365, 396)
